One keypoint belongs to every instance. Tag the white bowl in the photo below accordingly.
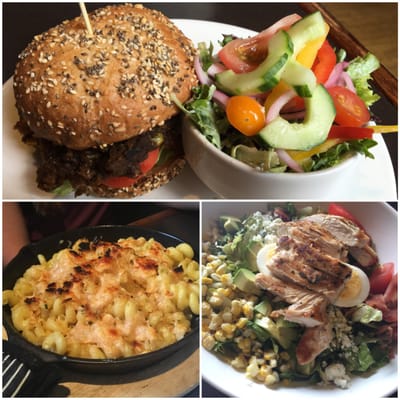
(233, 179)
(380, 221)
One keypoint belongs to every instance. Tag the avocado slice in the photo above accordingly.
(244, 280)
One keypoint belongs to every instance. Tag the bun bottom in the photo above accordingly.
(153, 180)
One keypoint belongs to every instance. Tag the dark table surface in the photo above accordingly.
(21, 21)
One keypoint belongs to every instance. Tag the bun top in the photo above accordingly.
(82, 91)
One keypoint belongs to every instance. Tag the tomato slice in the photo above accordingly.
(150, 161)
(244, 55)
(380, 278)
(336, 209)
(350, 133)
(350, 109)
(118, 182)
(324, 62)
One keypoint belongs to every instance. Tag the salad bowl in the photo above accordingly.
(232, 179)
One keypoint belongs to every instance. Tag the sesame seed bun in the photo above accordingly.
(83, 91)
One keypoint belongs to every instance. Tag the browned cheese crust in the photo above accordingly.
(81, 91)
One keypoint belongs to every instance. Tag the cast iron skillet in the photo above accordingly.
(35, 356)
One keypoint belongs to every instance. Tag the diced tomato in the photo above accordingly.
(324, 62)
(350, 132)
(336, 209)
(118, 182)
(380, 278)
(350, 109)
(244, 55)
(390, 294)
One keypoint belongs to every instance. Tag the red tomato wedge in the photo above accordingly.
(350, 109)
(118, 182)
(244, 55)
(381, 277)
(324, 62)
(336, 209)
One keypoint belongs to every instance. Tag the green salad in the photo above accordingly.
(285, 100)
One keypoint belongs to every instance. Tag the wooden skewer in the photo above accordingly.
(86, 18)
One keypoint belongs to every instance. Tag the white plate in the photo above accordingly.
(380, 221)
(375, 179)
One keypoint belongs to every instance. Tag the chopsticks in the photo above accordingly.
(383, 78)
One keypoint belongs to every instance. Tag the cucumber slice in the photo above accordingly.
(308, 28)
(320, 113)
(265, 76)
(300, 78)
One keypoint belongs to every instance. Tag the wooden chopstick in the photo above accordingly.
(383, 78)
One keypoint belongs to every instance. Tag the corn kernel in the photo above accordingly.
(269, 355)
(208, 342)
(220, 336)
(205, 280)
(228, 328)
(242, 322)
(236, 308)
(248, 310)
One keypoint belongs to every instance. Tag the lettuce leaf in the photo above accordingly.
(360, 70)
(205, 114)
(367, 314)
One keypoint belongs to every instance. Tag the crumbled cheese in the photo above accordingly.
(336, 373)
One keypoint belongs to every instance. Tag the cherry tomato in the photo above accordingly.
(244, 55)
(350, 109)
(245, 114)
(324, 62)
(117, 182)
(336, 209)
(380, 278)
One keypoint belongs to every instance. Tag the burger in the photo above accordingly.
(96, 106)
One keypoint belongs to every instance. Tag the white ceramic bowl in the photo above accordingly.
(380, 221)
(233, 179)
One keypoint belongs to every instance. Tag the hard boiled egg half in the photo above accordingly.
(263, 257)
(355, 290)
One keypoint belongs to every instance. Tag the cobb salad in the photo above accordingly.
(297, 295)
(285, 100)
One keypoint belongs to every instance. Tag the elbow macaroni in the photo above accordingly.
(107, 300)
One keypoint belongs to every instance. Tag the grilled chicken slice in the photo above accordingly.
(307, 307)
(311, 233)
(296, 263)
(313, 342)
(348, 233)
(316, 258)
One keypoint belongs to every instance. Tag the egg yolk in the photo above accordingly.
(352, 287)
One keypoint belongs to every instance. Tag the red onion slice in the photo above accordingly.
(277, 105)
(201, 74)
(286, 159)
